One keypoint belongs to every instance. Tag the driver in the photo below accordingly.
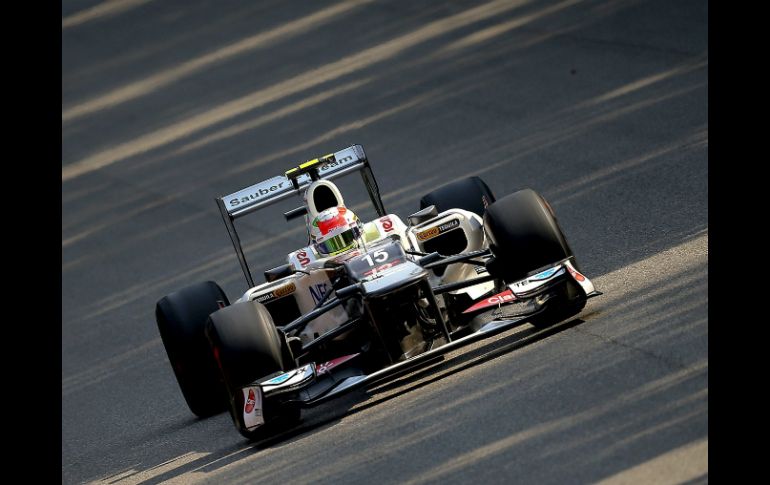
(335, 230)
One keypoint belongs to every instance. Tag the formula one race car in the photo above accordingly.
(364, 301)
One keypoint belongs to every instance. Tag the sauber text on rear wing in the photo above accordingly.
(280, 187)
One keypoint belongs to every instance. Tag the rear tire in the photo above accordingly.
(181, 318)
(524, 236)
(471, 194)
(249, 347)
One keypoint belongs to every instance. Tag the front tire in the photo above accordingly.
(524, 236)
(248, 347)
(181, 318)
(471, 194)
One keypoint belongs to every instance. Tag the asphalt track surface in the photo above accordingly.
(601, 106)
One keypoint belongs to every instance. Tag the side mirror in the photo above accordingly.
(278, 272)
(423, 215)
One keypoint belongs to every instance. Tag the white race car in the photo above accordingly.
(364, 301)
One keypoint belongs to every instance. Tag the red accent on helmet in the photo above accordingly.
(330, 224)
(326, 224)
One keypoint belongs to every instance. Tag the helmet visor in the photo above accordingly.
(341, 242)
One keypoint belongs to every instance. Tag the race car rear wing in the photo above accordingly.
(293, 182)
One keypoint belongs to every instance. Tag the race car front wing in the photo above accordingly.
(523, 300)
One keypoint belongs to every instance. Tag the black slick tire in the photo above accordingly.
(523, 235)
(248, 347)
(181, 318)
(471, 194)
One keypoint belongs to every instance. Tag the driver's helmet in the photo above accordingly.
(335, 230)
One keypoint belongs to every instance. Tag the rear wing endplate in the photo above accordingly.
(293, 182)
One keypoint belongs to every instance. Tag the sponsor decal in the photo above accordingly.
(327, 366)
(505, 297)
(387, 224)
(545, 274)
(279, 379)
(252, 407)
(436, 230)
(328, 162)
(285, 290)
(277, 293)
(480, 269)
(333, 163)
(267, 189)
(303, 258)
(428, 234)
(265, 297)
(536, 281)
(250, 402)
(449, 225)
(289, 378)
(348, 255)
(385, 266)
(256, 193)
(317, 291)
